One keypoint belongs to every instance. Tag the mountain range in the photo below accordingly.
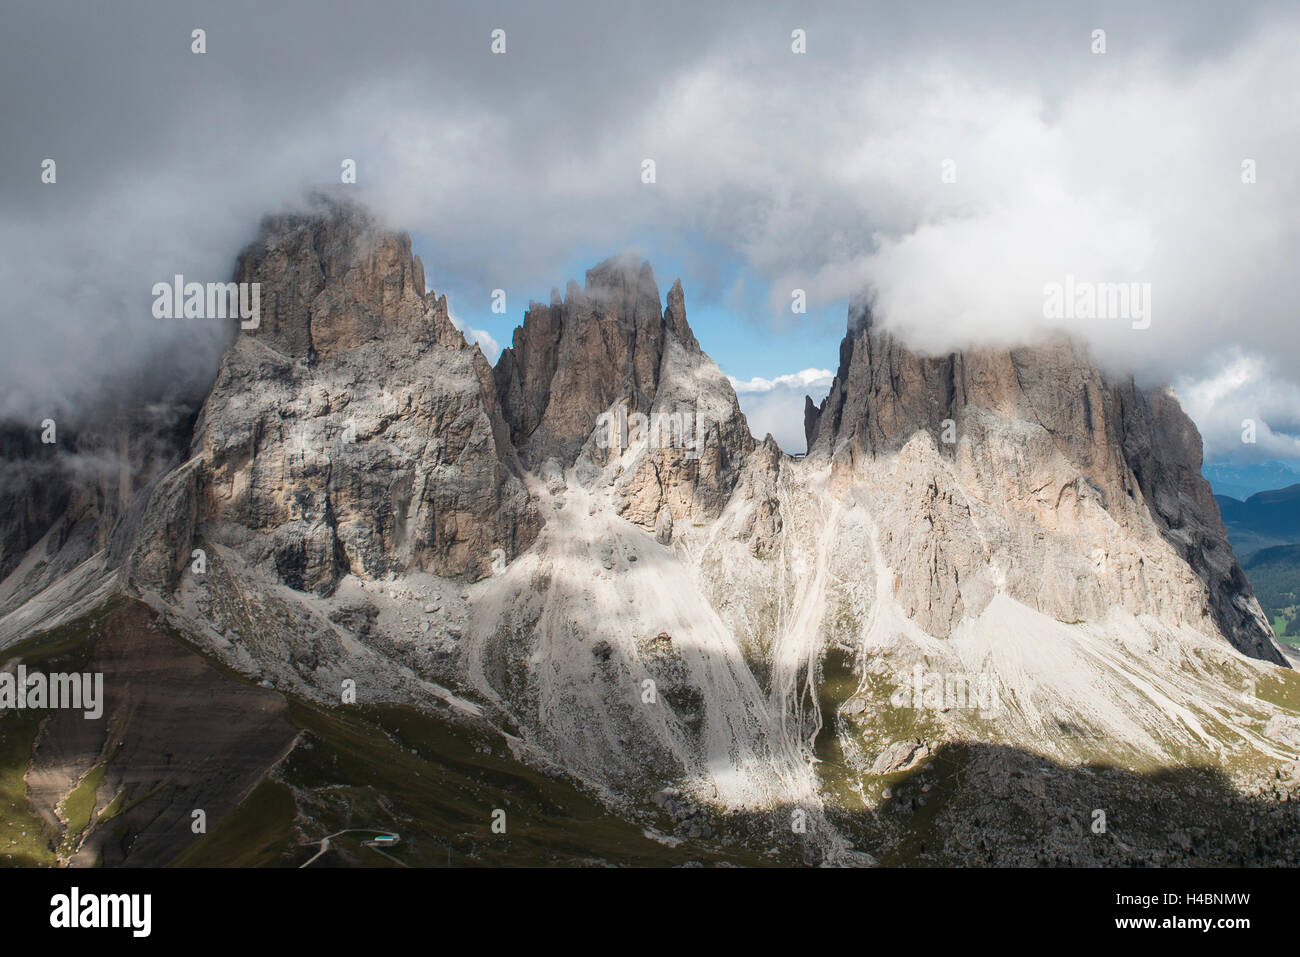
(1243, 481)
(370, 581)
(1264, 519)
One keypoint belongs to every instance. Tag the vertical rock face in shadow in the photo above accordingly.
(63, 502)
(353, 430)
(570, 361)
(609, 352)
(1163, 448)
(1029, 470)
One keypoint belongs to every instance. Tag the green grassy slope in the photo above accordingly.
(433, 780)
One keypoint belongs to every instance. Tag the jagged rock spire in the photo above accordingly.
(1061, 455)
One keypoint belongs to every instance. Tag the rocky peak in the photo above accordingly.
(611, 348)
(573, 358)
(354, 431)
(675, 317)
(1064, 460)
(332, 278)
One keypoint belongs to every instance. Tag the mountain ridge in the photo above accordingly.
(1265, 519)
(1122, 456)
(378, 508)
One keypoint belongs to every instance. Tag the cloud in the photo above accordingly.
(818, 171)
(806, 379)
(1246, 399)
(776, 406)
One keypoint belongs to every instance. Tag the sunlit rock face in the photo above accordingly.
(1032, 473)
(353, 431)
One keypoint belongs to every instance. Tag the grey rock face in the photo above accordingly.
(1084, 493)
(353, 430)
(758, 485)
(571, 360)
(609, 348)
(664, 527)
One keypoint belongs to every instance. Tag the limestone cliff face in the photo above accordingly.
(1049, 520)
(353, 430)
(583, 367)
(572, 359)
(1028, 470)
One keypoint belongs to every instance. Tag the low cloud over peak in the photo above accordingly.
(953, 160)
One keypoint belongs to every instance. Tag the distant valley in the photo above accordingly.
(1265, 533)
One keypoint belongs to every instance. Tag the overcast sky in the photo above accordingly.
(775, 171)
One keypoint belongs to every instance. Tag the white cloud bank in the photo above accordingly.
(776, 406)
(820, 171)
(1247, 412)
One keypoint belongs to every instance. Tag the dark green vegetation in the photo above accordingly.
(1262, 530)
(436, 783)
(23, 838)
(978, 805)
(1261, 521)
(26, 840)
(1274, 573)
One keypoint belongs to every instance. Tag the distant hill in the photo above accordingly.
(1275, 575)
(1262, 521)
(1243, 481)
(1265, 533)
